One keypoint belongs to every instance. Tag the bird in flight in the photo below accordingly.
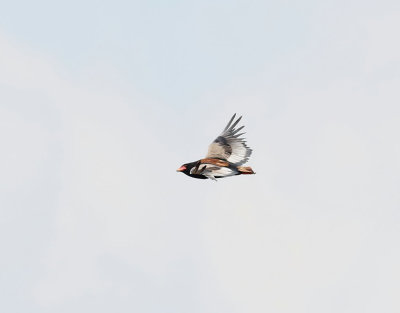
(225, 156)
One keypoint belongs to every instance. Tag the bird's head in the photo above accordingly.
(185, 168)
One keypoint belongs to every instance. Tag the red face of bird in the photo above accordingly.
(181, 169)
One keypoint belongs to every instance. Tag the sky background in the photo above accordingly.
(101, 101)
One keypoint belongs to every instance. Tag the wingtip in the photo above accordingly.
(230, 122)
(236, 122)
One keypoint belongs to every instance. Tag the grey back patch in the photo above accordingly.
(224, 143)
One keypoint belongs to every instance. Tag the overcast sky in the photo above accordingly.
(100, 103)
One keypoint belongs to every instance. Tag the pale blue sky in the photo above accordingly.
(175, 50)
(100, 102)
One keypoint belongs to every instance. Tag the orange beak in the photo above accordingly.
(181, 169)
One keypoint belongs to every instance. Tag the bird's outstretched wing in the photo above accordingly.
(229, 146)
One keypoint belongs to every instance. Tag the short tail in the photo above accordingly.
(245, 170)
